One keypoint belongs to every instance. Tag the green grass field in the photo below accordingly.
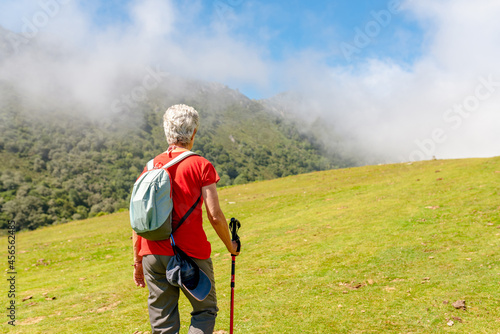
(376, 249)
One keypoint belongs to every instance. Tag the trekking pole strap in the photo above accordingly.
(234, 226)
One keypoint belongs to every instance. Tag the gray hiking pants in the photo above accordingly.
(163, 299)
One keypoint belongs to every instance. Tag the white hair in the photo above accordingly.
(179, 123)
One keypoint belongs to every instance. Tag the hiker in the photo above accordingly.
(191, 178)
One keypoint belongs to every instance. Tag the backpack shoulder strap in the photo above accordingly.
(186, 215)
(150, 165)
(193, 207)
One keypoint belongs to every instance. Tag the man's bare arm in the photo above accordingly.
(217, 218)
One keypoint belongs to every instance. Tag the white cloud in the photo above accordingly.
(86, 61)
(155, 18)
(393, 109)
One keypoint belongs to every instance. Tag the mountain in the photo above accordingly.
(6, 39)
(76, 131)
(63, 162)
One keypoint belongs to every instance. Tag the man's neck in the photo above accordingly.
(178, 148)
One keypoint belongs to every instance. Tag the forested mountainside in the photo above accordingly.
(58, 164)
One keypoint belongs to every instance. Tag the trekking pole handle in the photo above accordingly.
(234, 226)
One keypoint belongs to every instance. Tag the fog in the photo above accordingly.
(443, 103)
(60, 52)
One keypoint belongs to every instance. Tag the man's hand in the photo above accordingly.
(235, 247)
(139, 275)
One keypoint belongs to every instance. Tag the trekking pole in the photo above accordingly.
(234, 226)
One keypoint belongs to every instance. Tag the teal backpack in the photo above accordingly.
(151, 202)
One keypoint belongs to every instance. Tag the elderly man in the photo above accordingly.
(191, 178)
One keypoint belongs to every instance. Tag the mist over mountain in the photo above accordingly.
(424, 83)
(66, 158)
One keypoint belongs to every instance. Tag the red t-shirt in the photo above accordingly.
(188, 177)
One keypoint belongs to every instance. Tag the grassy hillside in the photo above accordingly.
(377, 249)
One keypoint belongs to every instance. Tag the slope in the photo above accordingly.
(377, 249)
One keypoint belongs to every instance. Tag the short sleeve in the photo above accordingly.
(209, 174)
